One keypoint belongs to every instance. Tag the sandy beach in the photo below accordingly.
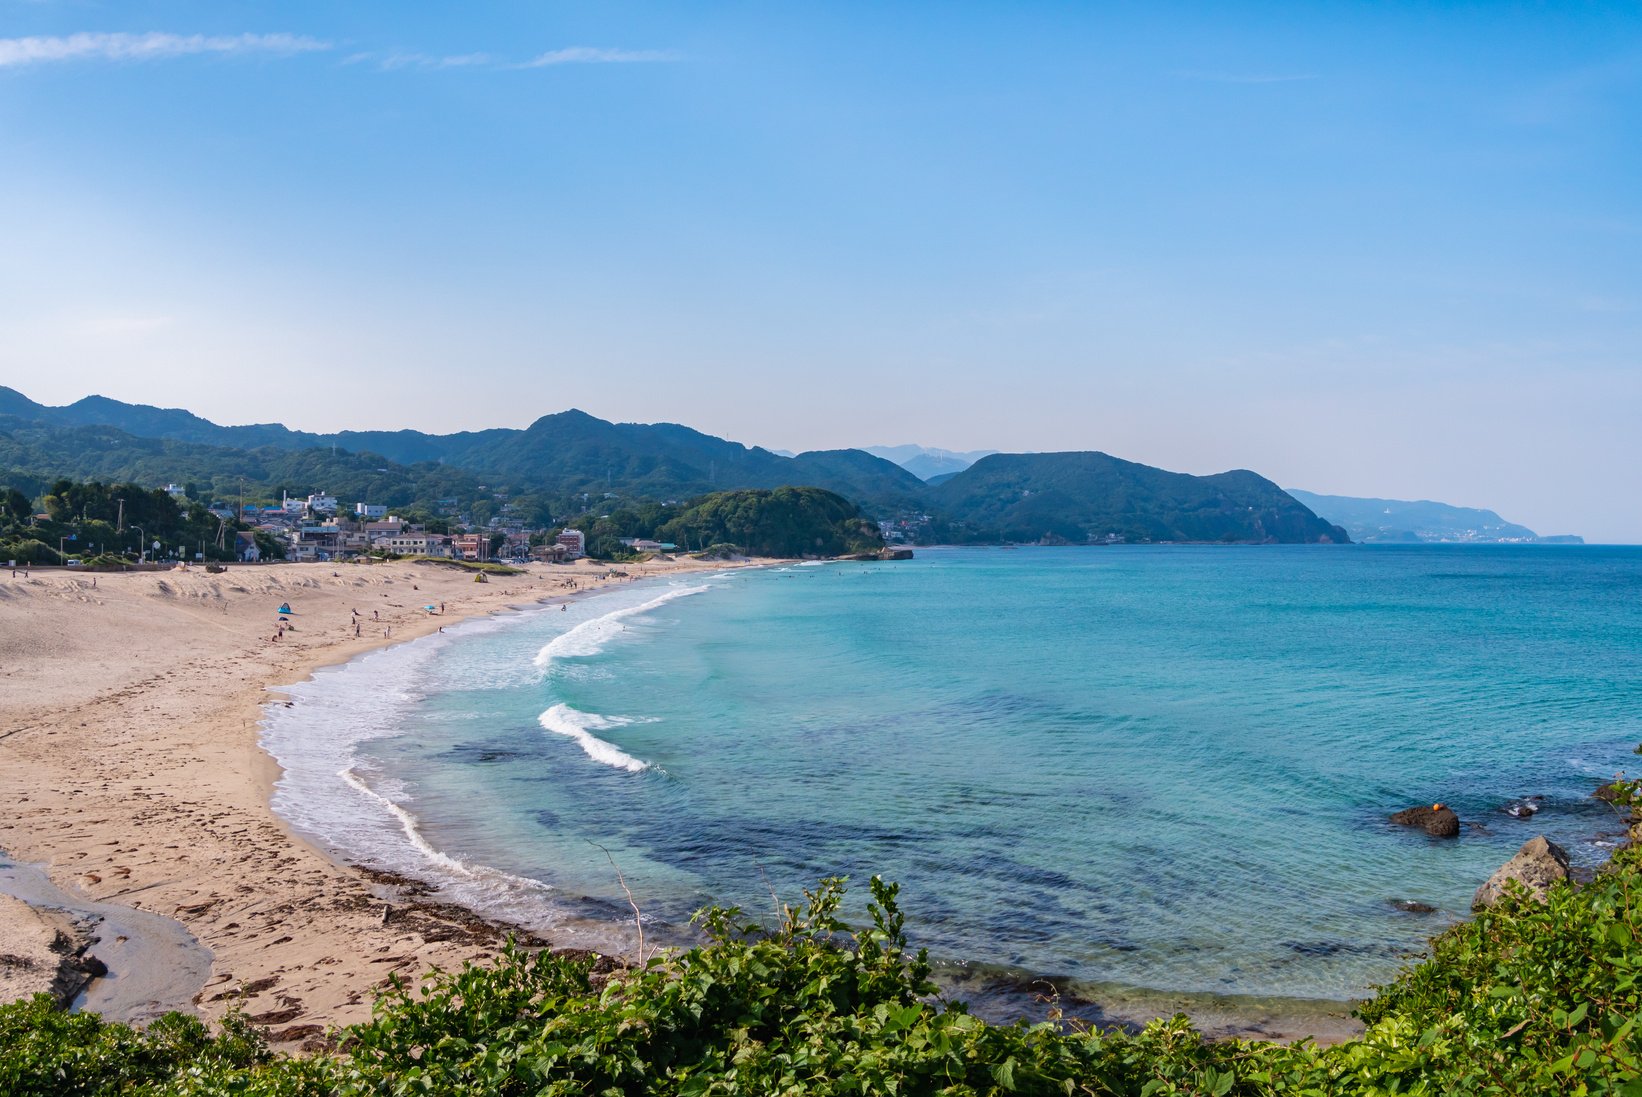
(130, 770)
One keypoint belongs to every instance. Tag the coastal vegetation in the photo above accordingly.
(108, 524)
(1527, 998)
(34, 455)
(782, 522)
(487, 567)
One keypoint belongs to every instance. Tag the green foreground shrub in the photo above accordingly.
(1527, 998)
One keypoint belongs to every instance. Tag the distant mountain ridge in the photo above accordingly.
(569, 458)
(576, 452)
(1420, 521)
(926, 462)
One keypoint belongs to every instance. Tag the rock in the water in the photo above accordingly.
(1609, 793)
(1536, 866)
(1412, 906)
(1437, 820)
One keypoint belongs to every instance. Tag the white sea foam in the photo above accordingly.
(316, 738)
(590, 637)
(580, 726)
(407, 823)
(412, 828)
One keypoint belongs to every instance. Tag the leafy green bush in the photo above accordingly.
(28, 550)
(1528, 998)
(45, 1052)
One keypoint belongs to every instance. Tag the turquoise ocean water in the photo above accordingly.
(1162, 767)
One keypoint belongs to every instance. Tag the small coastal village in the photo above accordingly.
(317, 528)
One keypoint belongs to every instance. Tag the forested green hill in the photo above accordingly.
(572, 462)
(1082, 497)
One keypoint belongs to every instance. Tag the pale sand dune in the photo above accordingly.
(129, 763)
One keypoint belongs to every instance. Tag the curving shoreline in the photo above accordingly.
(130, 768)
(300, 939)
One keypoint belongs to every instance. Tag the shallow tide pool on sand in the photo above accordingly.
(1162, 767)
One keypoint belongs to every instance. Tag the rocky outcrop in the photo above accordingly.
(1412, 906)
(1610, 794)
(1536, 866)
(1437, 820)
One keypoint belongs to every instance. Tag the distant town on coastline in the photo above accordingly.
(571, 484)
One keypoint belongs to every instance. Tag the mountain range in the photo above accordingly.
(563, 460)
(1420, 521)
(926, 462)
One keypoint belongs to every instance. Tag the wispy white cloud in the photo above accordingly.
(432, 61)
(570, 55)
(152, 46)
(1245, 78)
(594, 55)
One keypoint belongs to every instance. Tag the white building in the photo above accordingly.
(369, 510)
(322, 503)
(404, 544)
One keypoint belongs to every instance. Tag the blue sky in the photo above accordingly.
(1371, 249)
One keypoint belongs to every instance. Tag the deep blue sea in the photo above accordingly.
(1158, 767)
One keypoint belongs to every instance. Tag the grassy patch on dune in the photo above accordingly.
(485, 566)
